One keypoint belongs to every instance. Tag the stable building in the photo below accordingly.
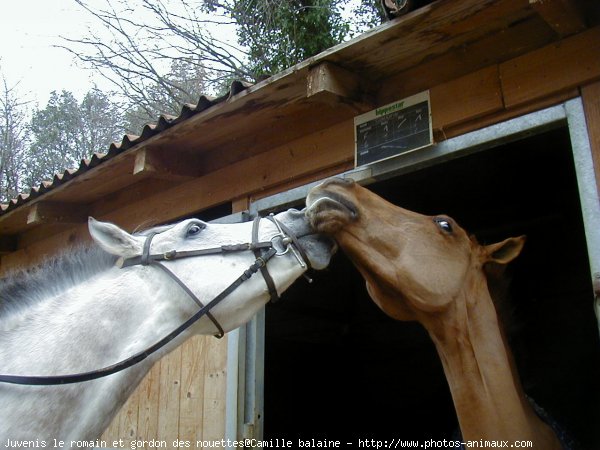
(504, 98)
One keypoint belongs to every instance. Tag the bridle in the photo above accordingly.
(279, 244)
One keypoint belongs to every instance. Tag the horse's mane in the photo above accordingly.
(22, 288)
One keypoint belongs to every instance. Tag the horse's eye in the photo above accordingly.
(444, 224)
(194, 229)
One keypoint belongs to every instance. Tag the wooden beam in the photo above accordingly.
(466, 58)
(450, 105)
(44, 213)
(570, 63)
(301, 157)
(327, 77)
(154, 163)
(240, 204)
(563, 16)
(503, 115)
(331, 83)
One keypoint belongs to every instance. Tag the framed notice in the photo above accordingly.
(391, 130)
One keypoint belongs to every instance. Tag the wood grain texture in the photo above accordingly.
(466, 98)
(557, 67)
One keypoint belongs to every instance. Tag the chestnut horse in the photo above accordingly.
(430, 270)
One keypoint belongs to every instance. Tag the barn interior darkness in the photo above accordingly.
(337, 367)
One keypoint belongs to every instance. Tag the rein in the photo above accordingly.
(288, 241)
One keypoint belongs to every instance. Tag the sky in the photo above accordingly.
(29, 30)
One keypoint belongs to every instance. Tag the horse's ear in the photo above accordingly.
(505, 251)
(113, 239)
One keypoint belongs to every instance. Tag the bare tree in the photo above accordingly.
(13, 140)
(142, 46)
(160, 54)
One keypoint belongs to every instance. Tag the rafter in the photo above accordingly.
(563, 16)
(329, 82)
(45, 212)
(152, 163)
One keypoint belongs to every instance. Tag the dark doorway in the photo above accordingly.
(337, 367)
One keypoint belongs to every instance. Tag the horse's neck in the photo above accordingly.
(479, 367)
(96, 324)
(114, 311)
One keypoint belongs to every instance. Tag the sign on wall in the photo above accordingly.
(393, 129)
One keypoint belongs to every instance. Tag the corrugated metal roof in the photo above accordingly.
(164, 122)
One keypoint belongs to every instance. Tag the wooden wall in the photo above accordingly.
(181, 398)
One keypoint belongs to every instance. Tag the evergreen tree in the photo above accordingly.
(280, 34)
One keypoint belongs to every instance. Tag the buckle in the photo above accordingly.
(172, 254)
(286, 241)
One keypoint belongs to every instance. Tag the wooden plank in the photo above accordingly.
(591, 103)
(505, 114)
(148, 395)
(557, 67)
(301, 181)
(33, 254)
(191, 414)
(128, 419)
(166, 165)
(450, 105)
(13, 221)
(45, 212)
(292, 122)
(112, 431)
(311, 153)
(330, 83)
(426, 34)
(328, 77)
(564, 16)
(240, 204)
(473, 55)
(133, 193)
(107, 177)
(215, 388)
(169, 395)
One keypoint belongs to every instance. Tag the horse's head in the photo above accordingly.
(413, 264)
(207, 275)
